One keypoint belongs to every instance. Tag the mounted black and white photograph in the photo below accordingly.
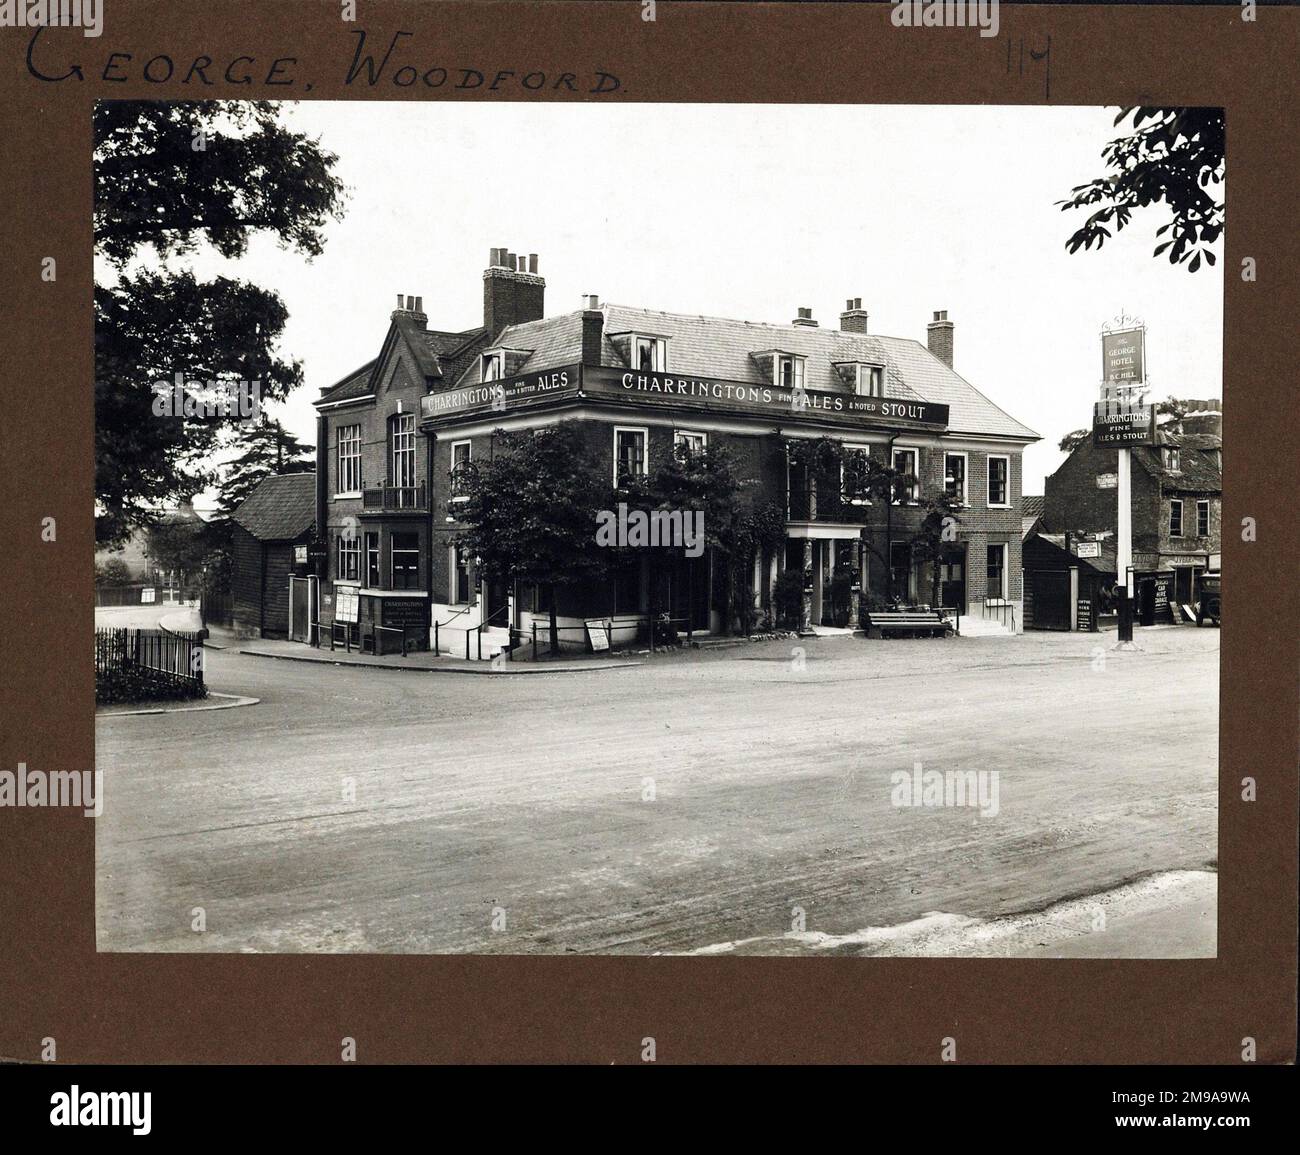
(675, 529)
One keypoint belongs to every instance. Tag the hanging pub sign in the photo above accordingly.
(1122, 423)
(1123, 357)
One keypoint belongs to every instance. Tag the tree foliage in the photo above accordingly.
(167, 178)
(530, 508)
(267, 449)
(1172, 156)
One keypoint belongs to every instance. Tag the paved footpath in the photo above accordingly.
(681, 805)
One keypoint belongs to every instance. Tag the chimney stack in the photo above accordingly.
(593, 326)
(805, 318)
(512, 291)
(854, 317)
(938, 336)
(410, 307)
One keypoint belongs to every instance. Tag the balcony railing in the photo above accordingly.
(389, 498)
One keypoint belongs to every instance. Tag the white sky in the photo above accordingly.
(748, 211)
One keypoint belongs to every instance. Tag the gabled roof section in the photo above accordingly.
(355, 384)
(724, 349)
(281, 508)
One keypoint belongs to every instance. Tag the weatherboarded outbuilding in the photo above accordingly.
(279, 515)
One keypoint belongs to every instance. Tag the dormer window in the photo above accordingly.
(1171, 459)
(788, 372)
(871, 380)
(650, 354)
(493, 367)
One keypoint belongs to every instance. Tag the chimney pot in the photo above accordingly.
(510, 260)
(399, 300)
(532, 262)
(805, 318)
(419, 304)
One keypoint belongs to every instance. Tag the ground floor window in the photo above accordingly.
(997, 572)
(372, 561)
(405, 550)
(349, 559)
(459, 577)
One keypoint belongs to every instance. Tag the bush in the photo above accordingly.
(787, 597)
(136, 684)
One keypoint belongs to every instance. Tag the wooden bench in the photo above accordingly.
(922, 623)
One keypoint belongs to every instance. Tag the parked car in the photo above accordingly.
(1207, 598)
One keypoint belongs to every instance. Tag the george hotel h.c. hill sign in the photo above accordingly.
(647, 389)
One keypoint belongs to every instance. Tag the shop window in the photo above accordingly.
(405, 551)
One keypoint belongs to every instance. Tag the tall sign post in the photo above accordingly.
(1123, 418)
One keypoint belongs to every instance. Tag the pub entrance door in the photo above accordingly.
(952, 578)
(689, 592)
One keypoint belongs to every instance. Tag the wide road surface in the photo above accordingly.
(685, 805)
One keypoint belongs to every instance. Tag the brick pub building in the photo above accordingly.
(392, 434)
(1177, 499)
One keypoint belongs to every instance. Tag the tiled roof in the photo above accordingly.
(1032, 505)
(1198, 468)
(719, 348)
(355, 384)
(434, 351)
(281, 508)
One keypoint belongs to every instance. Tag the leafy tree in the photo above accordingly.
(268, 449)
(112, 571)
(530, 510)
(169, 176)
(937, 529)
(1172, 156)
(177, 546)
(689, 482)
(1071, 441)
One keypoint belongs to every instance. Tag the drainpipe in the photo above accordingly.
(889, 522)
